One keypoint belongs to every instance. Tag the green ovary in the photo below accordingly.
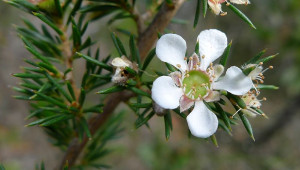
(194, 84)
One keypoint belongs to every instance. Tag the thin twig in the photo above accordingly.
(145, 43)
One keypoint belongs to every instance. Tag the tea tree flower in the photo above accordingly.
(121, 75)
(216, 6)
(197, 80)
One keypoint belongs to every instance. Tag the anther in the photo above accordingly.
(185, 58)
(261, 63)
(223, 13)
(203, 56)
(264, 99)
(178, 65)
(271, 67)
(198, 63)
(191, 58)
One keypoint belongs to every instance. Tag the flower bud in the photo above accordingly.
(159, 110)
(121, 74)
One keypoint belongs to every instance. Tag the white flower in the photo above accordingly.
(216, 6)
(197, 81)
(256, 74)
(252, 104)
(121, 75)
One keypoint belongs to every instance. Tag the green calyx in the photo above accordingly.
(196, 84)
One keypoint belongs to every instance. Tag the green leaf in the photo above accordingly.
(112, 89)
(48, 22)
(28, 75)
(30, 85)
(237, 100)
(131, 71)
(170, 67)
(38, 55)
(75, 9)
(106, 77)
(85, 127)
(247, 125)
(197, 48)
(225, 55)
(50, 68)
(59, 87)
(53, 101)
(92, 60)
(266, 59)
(82, 97)
(29, 25)
(117, 44)
(58, 7)
(148, 60)
(223, 116)
(204, 3)
(177, 111)
(240, 14)
(56, 119)
(140, 92)
(256, 58)
(168, 125)
(141, 121)
(248, 70)
(40, 121)
(214, 140)
(269, 87)
(197, 14)
(134, 51)
(76, 34)
(95, 109)
(23, 4)
(141, 105)
(224, 127)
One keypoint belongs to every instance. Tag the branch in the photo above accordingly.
(145, 43)
(159, 23)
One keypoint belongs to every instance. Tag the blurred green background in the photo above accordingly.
(277, 145)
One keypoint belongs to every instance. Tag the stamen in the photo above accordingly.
(178, 65)
(185, 58)
(235, 113)
(203, 56)
(223, 13)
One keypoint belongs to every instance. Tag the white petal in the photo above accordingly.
(171, 48)
(254, 73)
(176, 76)
(119, 62)
(201, 121)
(234, 82)
(240, 1)
(213, 96)
(212, 44)
(215, 7)
(218, 71)
(165, 93)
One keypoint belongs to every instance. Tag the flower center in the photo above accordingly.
(196, 84)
